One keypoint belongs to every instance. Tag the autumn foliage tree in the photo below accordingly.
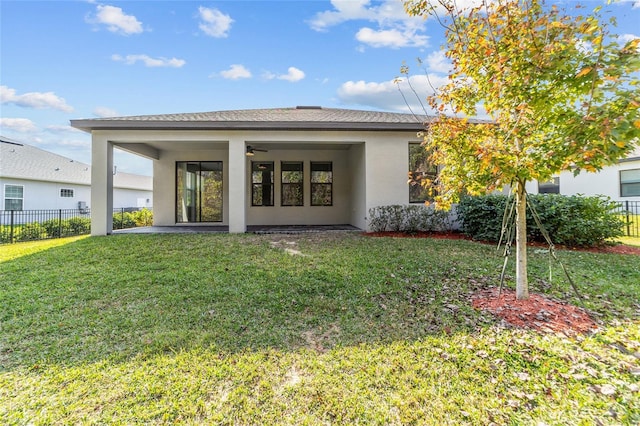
(561, 93)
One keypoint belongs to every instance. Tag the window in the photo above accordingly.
(321, 184)
(13, 197)
(420, 171)
(552, 186)
(291, 181)
(66, 193)
(630, 183)
(199, 191)
(261, 183)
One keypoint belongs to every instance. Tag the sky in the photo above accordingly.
(63, 60)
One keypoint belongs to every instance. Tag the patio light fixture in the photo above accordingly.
(251, 151)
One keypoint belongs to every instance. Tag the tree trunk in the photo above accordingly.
(522, 284)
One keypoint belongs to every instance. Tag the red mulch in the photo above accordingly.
(538, 312)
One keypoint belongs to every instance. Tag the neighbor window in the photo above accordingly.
(552, 186)
(630, 183)
(66, 193)
(13, 197)
(321, 184)
(261, 183)
(199, 191)
(291, 181)
(421, 171)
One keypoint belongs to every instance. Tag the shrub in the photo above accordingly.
(123, 220)
(31, 232)
(408, 218)
(569, 220)
(143, 217)
(79, 225)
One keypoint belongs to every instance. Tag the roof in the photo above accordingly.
(294, 118)
(21, 161)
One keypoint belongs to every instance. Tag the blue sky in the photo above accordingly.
(62, 60)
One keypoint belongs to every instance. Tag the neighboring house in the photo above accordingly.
(284, 166)
(34, 179)
(620, 182)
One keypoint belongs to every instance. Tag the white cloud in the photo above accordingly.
(395, 29)
(214, 23)
(149, 61)
(388, 95)
(438, 62)
(391, 38)
(104, 112)
(38, 100)
(22, 125)
(389, 11)
(626, 38)
(293, 74)
(116, 20)
(236, 72)
(56, 128)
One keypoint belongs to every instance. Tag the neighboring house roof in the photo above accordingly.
(295, 118)
(21, 161)
(634, 156)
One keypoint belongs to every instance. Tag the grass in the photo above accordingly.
(306, 329)
(631, 241)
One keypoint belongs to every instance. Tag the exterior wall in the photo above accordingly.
(387, 160)
(358, 189)
(126, 197)
(40, 195)
(605, 182)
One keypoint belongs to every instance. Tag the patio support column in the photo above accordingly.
(101, 185)
(237, 186)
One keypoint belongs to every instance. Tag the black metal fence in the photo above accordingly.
(630, 213)
(31, 225)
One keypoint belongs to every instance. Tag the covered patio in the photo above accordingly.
(234, 171)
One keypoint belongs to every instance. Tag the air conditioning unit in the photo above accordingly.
(82, 206)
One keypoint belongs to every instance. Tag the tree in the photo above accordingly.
(560, 93)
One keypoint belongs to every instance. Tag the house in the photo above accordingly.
(35, 179)
(284, 166)
(620, 182)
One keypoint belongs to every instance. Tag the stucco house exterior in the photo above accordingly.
(35, 179)
(283, 166)
(620, 182)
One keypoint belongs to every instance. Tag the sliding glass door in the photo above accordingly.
(199, 191)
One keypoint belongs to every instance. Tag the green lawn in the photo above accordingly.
(303, 329)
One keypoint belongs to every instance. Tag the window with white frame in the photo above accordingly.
(630, 183)
(66, 193)
(13, 197)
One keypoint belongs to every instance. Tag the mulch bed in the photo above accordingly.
(538, 312)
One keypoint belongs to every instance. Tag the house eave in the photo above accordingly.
(91, 125)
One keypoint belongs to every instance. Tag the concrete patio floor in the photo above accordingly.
(254, 229)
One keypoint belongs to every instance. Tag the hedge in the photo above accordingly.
(574, 221)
